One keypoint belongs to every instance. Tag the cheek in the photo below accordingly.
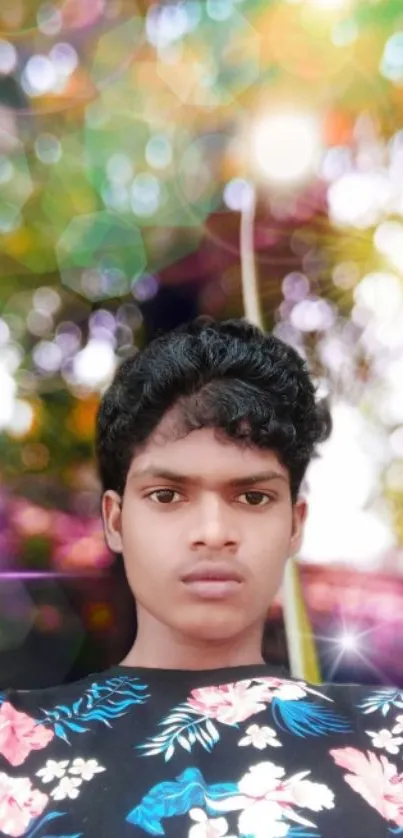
(274, 531)
(272, 548)
(146, 549)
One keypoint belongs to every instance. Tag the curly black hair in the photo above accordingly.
(228, 375)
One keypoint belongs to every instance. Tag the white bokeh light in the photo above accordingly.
(94, 366)
(8, 57)
(381, 293)
(295, 286)
(145, 195)
(120, 169)
(46, 300)
(388, 240)
(47, 356)
(391, 66)
(336, 162)
(341, 526)
(359, 199)
(21, 419)
(312, 315)
(159, 152)
(396, 442)
(286, 147)
(11, 357)
(50, 19)
(8, 389)
(167, 24)
(39, 76)
(238, 194)
(4, 332)
(392, 405)
(64, 58)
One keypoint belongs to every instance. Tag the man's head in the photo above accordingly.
(203, 441)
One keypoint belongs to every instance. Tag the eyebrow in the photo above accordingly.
(246, 480)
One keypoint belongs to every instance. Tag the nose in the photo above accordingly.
(214, 526)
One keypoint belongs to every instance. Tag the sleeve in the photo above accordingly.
(372, 765)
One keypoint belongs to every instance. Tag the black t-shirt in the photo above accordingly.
(225, 753)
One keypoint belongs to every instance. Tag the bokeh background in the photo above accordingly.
(135, 137)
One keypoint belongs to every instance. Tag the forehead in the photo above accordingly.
(205, 454)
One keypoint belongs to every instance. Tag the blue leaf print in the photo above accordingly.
(77, 728)
(100, 703)
(59, 732)
(382, 700)
(303, 718)
(37, 826)
(183, 727)
(176, 797)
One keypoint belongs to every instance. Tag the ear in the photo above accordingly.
(299, 515)
(112, 518)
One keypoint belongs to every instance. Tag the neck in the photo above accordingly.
(158, 647)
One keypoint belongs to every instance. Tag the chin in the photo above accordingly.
(213, 631)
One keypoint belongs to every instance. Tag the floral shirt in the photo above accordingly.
(231, 753)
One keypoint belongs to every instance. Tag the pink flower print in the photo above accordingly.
(375, 779)
(268, 685)
(19, 734)
(19, 804)
(229, 704)
(206, 700)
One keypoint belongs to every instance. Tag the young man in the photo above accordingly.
(203, 441)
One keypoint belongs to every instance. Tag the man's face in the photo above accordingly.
(205, 526)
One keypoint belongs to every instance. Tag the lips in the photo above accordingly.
(218, 573)
(213, 583)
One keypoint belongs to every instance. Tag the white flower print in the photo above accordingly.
(289, 692)
(269, 799)
(260, 737)
(53, 770)
(315, 796)
(398, 728)
(68, 787)
(206, 828)
(384, 739)
(262, 817)
(261, 779)
(86, 769)
(263, 820)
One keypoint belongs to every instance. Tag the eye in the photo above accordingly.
(255, 498)
(164, 496)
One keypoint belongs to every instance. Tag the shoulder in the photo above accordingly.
(369, 699)
(30, 700)
(376, 711)
(367, 702)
